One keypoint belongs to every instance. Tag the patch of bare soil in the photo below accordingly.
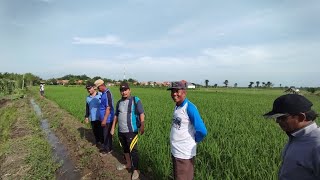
(13, 165)
(78, 139)
(3, 102)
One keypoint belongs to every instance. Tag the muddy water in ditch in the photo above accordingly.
(67, 169)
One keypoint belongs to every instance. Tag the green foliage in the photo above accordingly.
(311, 90)
(77, 77)
(31, 143)
(40, 159)
(7, 118)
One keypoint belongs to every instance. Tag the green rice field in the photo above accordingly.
(241, 144)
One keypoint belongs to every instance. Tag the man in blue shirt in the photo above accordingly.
(93, 114)
(301, 155)
(106, 115)
(187, 130)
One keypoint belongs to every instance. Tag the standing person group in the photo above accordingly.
(187, 126)
(293, 113)
(301, 155)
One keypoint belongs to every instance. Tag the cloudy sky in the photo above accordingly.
(239, 41)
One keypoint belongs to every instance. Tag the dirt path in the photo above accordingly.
(22, 144)
(79, 141)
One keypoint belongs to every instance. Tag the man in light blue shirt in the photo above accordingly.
(93, 114)
(301, 155)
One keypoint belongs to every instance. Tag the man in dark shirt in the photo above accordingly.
(106, 115)
(301, 155)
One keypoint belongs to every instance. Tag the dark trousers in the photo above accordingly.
(97, 131)
(183, 169)
(129, 145)
(107, 137)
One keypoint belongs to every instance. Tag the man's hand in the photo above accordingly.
(141, 128)
(86, 120)
(112, 131)
(104, 123)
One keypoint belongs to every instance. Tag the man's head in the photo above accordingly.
(100, 85)
(178, 91)
(125, 90)
(292, 112)
(90, 87)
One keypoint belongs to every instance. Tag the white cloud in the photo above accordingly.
(235, 55)
(107, 40)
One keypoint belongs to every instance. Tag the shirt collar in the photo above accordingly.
(183, 103)
(105, 91)
(306, 130)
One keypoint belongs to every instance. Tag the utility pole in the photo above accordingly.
(22, 82)
(124, 72)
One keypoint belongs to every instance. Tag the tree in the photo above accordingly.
(269, 84)
(215, 85)
(250, 85)
(52, 81)
(311, 90)
(258, 82)
(206, 81)
(96, 78)
(72, 81)
(226, 82)
(132, 80)
(235, 85)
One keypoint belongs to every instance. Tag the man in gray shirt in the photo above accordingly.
(130, 115)
(301, 155)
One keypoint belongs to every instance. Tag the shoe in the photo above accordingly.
(121, 167)
(103, 153)
(99, 146)
(135, 175)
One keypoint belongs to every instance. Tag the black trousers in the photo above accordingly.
(129, 145)
(97, 131)
(107, 137)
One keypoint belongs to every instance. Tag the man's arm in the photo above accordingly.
(87, 113)
(105, 117)
(142, 123)
(108, 108)
(114, 123)
(115, 119)
(199, 126)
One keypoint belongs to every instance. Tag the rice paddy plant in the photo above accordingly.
(241, 144)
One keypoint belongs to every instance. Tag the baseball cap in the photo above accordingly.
(177, 85)
(89, 85)
(99, 82)
(289, 104)
(124, 86)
